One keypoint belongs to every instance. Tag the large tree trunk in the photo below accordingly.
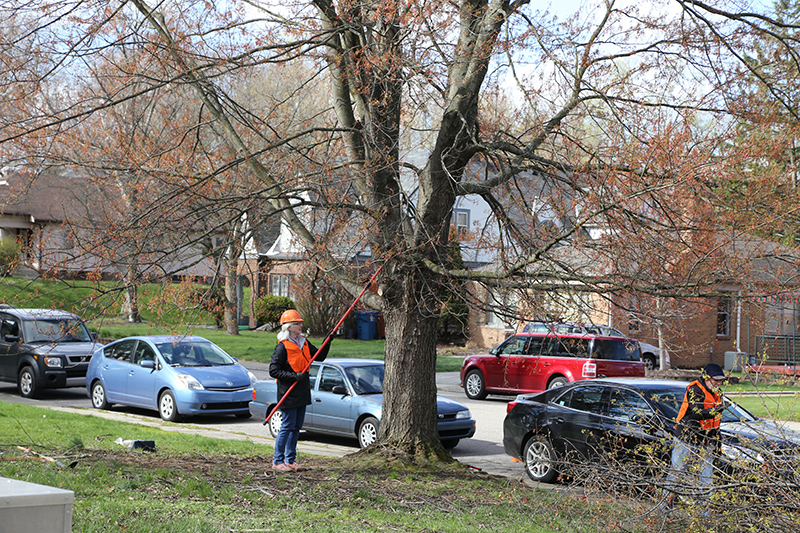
(409, 423)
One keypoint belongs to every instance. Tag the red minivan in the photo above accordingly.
(533, 362)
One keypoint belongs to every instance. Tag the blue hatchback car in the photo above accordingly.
(171, 374)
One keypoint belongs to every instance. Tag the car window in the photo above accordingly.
(366, 379)
(330, 378)
(541, 346)
(514, 346)
(313, 372)
(616, 349)
(120, 351)
(627, 405)
(585, 398)
(143, 353)
(9, 326)
(573, 347)
(194, 353)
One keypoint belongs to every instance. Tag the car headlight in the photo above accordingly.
(735, 454)
(53, 362)
(253, 378)
(190, 382)
(461, 415)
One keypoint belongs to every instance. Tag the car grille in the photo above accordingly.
(227, 389)
(78, 359)
(448, 416)
(225, 405)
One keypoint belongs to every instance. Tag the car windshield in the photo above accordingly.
(669, 403)
(366, 379)
(56, 330)
(188, 353)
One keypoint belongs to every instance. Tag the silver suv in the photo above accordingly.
(44, 349)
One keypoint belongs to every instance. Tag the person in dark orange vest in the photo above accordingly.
(289, 360)
(697, 435)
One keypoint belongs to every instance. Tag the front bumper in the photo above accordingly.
(205, 402)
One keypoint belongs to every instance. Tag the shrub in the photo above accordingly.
(9, 254)
(268, 309)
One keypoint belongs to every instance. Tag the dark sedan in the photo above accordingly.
(632, 418)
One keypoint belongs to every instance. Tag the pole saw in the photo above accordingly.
(325, 342)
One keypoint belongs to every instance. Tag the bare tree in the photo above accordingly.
(621, 118)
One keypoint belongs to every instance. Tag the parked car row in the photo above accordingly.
(180, 376)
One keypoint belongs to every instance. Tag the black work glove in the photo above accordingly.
(300, 375)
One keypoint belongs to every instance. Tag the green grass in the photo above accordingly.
(101, 300)
(200, 484)
(258, 345)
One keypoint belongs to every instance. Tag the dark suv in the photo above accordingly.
(43, 349)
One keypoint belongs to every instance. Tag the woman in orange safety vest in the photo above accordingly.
(288, 366)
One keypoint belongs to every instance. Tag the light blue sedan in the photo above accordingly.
(171, 374)
(346, 400)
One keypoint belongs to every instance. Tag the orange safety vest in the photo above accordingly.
(711, 399)
(297, 357)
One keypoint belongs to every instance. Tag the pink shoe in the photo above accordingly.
(296, 467)
(282, 467)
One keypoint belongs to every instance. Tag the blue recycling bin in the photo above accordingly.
(367, 322)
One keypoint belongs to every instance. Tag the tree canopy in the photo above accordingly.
(605, 143)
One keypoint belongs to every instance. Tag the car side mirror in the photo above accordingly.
(340, 389)
(493, 351)
(11, 338)
(147, 364)
(93, 335)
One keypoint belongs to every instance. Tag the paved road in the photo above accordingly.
(484, 451)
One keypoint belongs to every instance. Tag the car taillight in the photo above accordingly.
(589, 370)
(254, 393)
(510, 406)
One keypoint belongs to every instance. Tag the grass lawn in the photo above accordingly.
(201, 484)
(259, 345)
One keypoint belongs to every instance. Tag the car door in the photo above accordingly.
(531, 376)
(141, 382)
(575, 420)
(630, 425)
(504, 371)
(115, 368)
(331, 412)
(9, 346)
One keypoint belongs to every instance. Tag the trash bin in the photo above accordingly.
(367, 322)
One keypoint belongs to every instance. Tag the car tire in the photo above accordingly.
(649, 361)
(26, 383)
(275, 422)
(449, 444)
(367, 431)
(475, 385)
(99, 398)
(167, 408)
(539, 460)
(558, 381)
